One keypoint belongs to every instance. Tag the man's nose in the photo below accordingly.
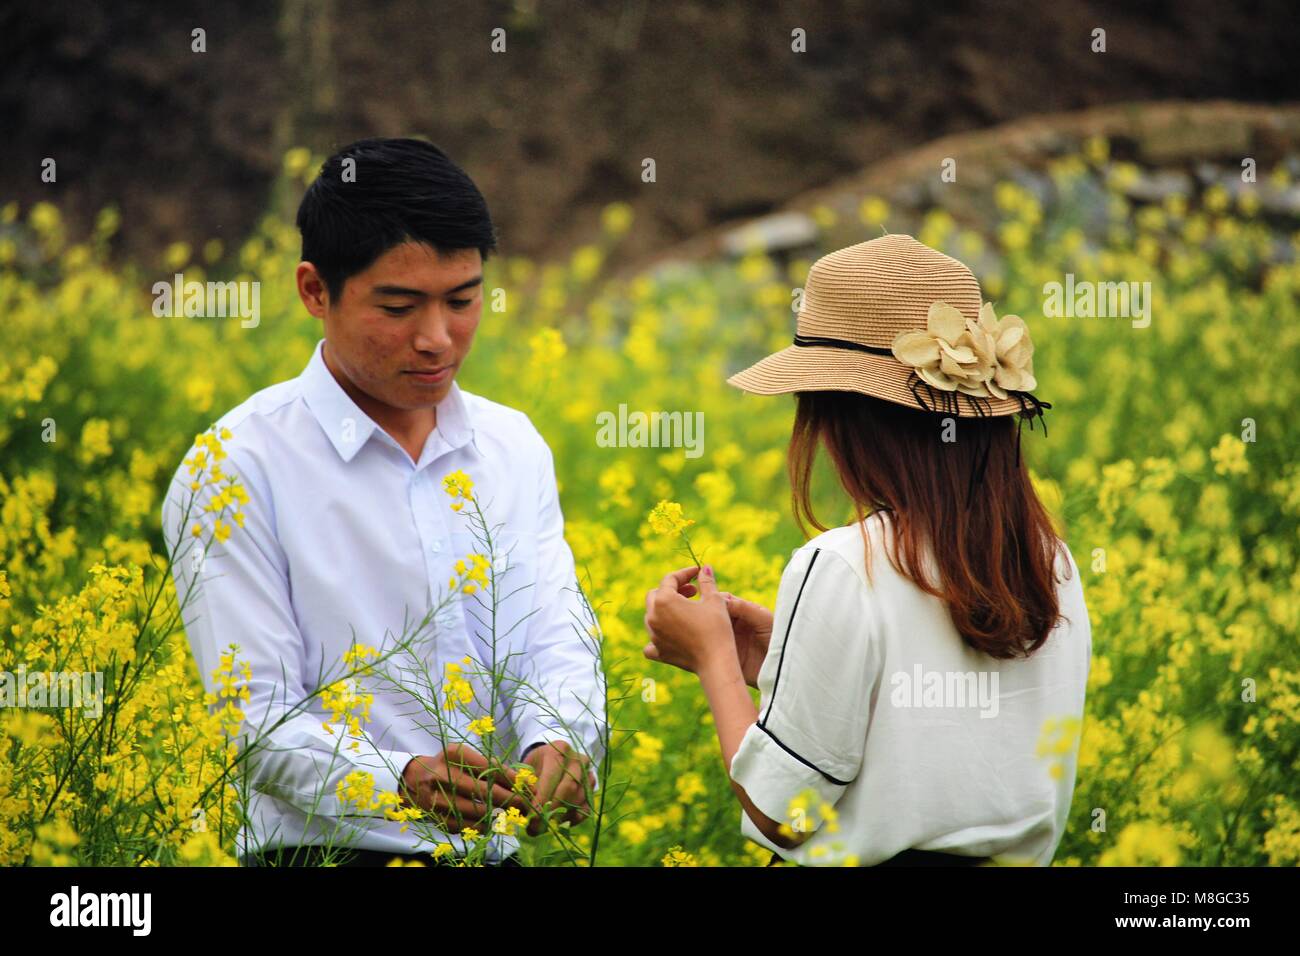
(431, 334)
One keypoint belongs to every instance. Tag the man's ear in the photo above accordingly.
(312, 289)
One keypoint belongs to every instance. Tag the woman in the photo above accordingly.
(922, 676)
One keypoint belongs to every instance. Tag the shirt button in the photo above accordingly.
(436, 547)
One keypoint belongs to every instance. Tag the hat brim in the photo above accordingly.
(816, 368)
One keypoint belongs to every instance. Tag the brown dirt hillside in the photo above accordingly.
(187, 144)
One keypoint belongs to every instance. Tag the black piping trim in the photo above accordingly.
(806, 763)
(762, 723)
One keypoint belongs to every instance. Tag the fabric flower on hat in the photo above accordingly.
(983, 359)
(949, 355)
(1014, 352)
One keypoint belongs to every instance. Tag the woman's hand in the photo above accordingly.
(697, 636)
(752, 625)
(685, 633)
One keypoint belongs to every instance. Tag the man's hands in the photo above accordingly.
(456, 785)
(560, 771)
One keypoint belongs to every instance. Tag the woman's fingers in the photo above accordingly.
(742, 610)
(708, 583)
(676, 580)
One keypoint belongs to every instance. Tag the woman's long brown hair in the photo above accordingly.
(994, 550)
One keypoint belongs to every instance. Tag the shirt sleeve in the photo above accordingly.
(565, 694)
(816, 685)
(237, 592)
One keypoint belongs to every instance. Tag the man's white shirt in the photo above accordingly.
(346, 539)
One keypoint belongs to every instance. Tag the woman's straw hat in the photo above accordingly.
(898, 320)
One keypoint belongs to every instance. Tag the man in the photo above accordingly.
(349, 535)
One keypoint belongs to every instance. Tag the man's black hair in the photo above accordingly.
(405, 189)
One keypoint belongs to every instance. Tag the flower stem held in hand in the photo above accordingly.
(666, 518)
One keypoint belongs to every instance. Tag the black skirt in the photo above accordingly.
(918, 858)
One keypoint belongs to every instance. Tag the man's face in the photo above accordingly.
(404, 325)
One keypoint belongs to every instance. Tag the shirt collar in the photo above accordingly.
(348, 427)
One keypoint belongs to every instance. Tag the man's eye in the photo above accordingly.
(459, 303)
(396, 309)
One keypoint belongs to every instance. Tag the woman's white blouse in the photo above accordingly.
(879, 730)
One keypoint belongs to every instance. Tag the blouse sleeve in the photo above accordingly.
(816, 685)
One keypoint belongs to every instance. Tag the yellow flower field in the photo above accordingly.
(1169, 464)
